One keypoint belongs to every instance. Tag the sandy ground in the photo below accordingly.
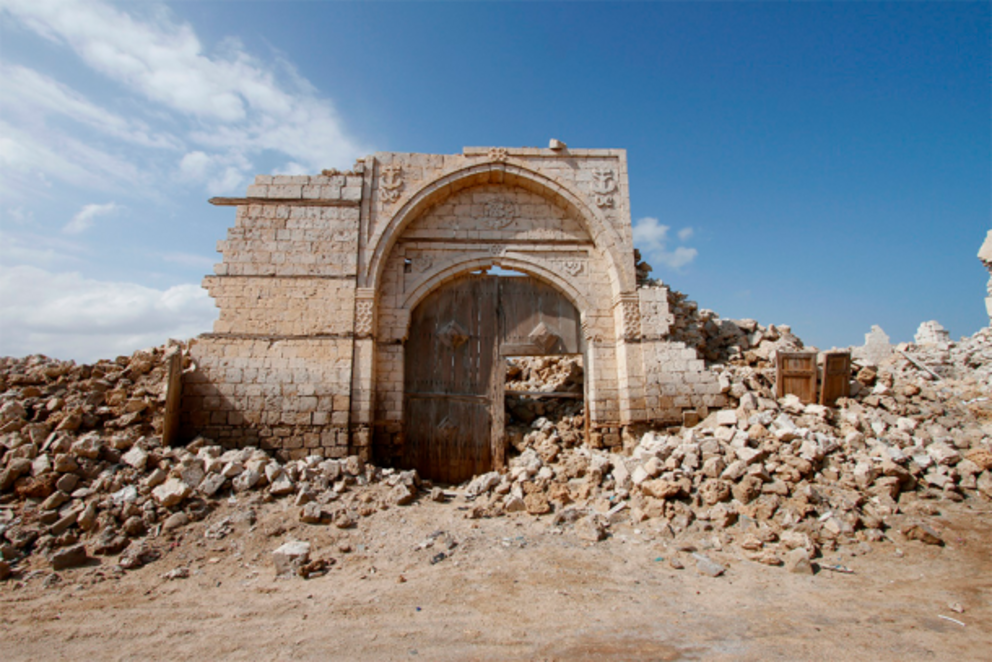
(512, 588)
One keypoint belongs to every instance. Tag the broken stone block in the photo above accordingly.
(136, 457)
(726, 417)
(923, 533)
(69, 557)
(282, 485)
(171, 492)
(312, 513)
(289, 557)
(212, 484)
(402, 494)
(663, 489)
(514, 504)
(932, 333)
(590, 528)
(707, 566)
(797, 561)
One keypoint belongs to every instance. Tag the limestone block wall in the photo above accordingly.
(320, 275)
(277, 371)
(291, 396)
(675, 377)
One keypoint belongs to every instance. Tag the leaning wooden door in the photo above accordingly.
(795, 373)
(836, 377)
(450, 357)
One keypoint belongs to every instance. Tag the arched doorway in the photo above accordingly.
(454, 367)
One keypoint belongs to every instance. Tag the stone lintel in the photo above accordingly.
(294, 202)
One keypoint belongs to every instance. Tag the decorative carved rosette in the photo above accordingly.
(499, 213)
(498, 154)
(497, 250)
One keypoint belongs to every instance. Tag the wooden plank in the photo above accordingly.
(173, 397)
(526, 303)
(547, 394)
(836, 381)
(795, 374)
(294, 202)
(449, 361)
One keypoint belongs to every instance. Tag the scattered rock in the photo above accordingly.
(290, 557)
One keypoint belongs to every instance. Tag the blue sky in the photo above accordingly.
(815, 164)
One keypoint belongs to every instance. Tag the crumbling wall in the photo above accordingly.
(277, 370)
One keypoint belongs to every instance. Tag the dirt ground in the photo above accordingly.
(511, 588)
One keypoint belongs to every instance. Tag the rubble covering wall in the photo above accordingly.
(324, 272)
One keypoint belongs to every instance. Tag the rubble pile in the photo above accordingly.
(84, 473)
(775, 475)
(544, 374)
(726, 340)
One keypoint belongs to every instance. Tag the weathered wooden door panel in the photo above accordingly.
(537, 320)
(836, 377)
(795, 373)
(449, 360)
(454, 370)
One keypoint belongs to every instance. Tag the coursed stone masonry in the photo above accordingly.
(320, 275)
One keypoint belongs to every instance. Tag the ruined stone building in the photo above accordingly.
(357, 314)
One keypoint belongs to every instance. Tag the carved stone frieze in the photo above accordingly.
(364, 311)
(498, 154)
(421, 262)
(499, 213)
(572, 267)
(390, 183)
(604, 185)
(630, 319)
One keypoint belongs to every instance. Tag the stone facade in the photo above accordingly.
(320, 276)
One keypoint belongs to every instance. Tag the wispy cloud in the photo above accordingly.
(85, 217)
(192, 260)
(229, 107)
(69, 316)
(651, 237)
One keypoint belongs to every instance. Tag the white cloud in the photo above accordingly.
(218, 173)
(84, 218)
(235, 106)
(68, 316)
(28, 159)
(685, 234)
(192, 260)
(651, 237)
(40, 250)
(29, 92)
(19, 215)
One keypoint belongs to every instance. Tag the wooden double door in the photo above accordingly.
(455, 367)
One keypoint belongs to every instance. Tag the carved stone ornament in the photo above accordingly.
(497, 250)
(363, 316)
(572, 267)
(630, 314)
(421, 263)
(498, 154)
(390, 183)
(604, 185)
(543, 337)
(453, 335)
(499, 213)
